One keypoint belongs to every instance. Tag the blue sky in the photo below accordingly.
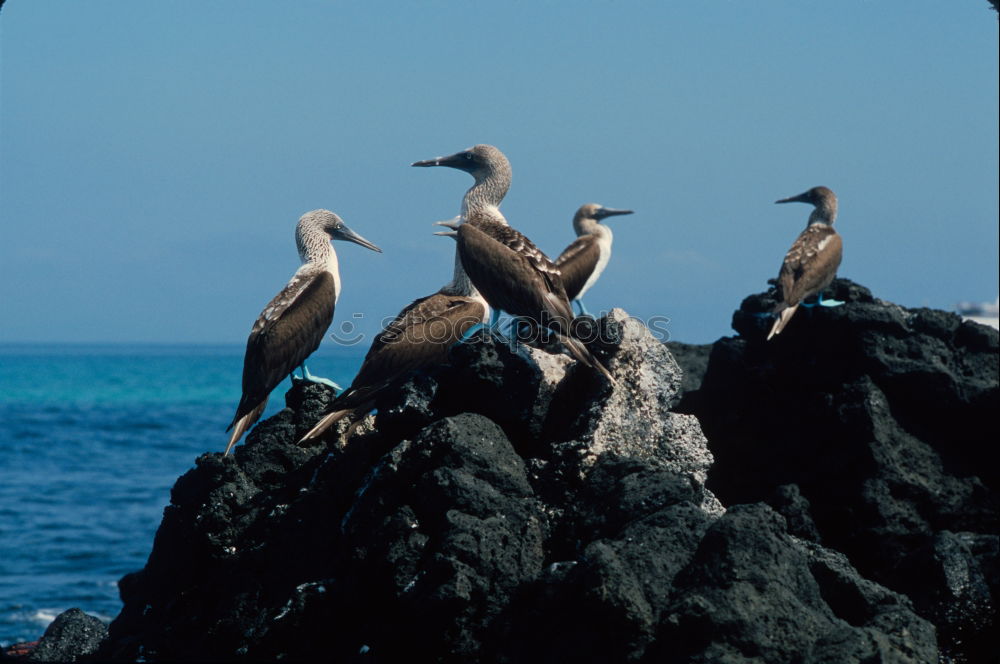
(155, 157)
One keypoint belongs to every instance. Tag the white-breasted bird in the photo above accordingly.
(293, 323)
(583, 261)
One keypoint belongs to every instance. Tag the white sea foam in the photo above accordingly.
(44, 616)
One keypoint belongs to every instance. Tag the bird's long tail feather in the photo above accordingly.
(241, 425)
(325, 423)
(784, 316)
(583, 354)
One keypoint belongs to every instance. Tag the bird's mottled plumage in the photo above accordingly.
(531, 284)
(583, 261)
(505, 266)
(812, 262)
(293, 323)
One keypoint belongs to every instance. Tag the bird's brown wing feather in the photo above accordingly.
(531, 283)
(289, 329)
(419, 337)
(807, 269)
(577, 263)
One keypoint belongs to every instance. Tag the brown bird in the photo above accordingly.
(812, 262)
(292, 324)
(583, 261)
(418, 338)
(505, 266)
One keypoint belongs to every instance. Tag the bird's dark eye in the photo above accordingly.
(468, 155)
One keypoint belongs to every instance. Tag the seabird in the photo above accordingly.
(418, 338)
(292, 324)
(812, 262)
(583, 261)
(503, 264)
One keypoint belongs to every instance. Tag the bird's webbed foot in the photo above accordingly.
(316, 379)
(820, 302)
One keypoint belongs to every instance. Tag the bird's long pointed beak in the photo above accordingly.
(801, 198)
(447, 233)
(611, 212)
(456, 160)
(345, 233)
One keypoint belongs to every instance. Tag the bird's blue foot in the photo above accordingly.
(502, 335)
(583, 309)
(316, 379)
(820, 302)
(472, 330)
(764, 314)
(511, 329)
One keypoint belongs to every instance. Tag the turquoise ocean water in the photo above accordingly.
(92, 437)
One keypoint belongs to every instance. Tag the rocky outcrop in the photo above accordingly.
(512, 507)
(872, 429)
(71, 637)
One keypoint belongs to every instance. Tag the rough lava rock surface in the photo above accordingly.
(872, 429)
(511, 507)
(71, 637)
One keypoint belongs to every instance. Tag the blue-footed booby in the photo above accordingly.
(503, 264)
(583, 261)
(812, 262)
(418, 338)
(292, 324)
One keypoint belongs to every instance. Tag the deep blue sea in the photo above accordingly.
(92, 437)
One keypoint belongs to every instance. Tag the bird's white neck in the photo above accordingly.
(483, 213)
(315, 251)
(313, 244)
(590, 226)
(488, 191)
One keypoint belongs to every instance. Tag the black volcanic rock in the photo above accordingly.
(511, 507)
(71, 637)
(789, 502)
(883, 419)
(693, 361)
(809, 604)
